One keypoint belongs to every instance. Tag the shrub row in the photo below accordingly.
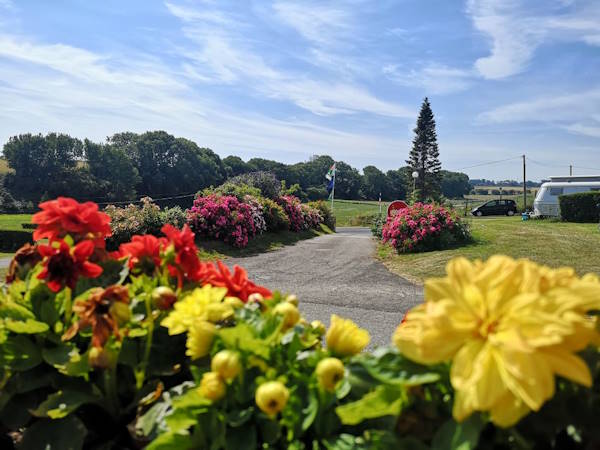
(12, 240)
(230, 213)
(580, 207)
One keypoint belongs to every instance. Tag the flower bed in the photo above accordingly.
(423, 227)
(224, 218)
(152, 347)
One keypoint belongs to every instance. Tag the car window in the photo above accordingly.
(556, 191)
(502, 202)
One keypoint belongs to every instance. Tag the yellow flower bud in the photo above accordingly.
(163, 297)
(234, 302)
(212, 386)
(330, 371)
(271, 397)
(345, 338)
(318, 326)
(216, 312)
(200, 339)
(290, 314)
(292, 299)
(101, 358)
(227, 364)
(121, 312)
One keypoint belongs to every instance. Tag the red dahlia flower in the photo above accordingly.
(64, 265)
(63, 216)
(143, 252)
(186, 263)
(238, 285)
(102, 311)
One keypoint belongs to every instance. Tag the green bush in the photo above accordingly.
(268, 185)
(175, 216)
(275, 217)
(580, 207)
(12, 240)
(326, 213)
(237, 190)
(316, 193)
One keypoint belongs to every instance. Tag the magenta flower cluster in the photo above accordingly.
(423, 227)
(293, 208)
(224, 218)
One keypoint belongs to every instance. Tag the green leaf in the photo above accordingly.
(29, 326)
(180, 420)
(12, 310)
(390, 367)
(171, 441)
(237, 418)
(242, 337)
(458, 436)
(383, 401)
(20, 353)
(310, 412)
(64, 434)
(242, 438)
(67, 359)
(62, 403)
(190, 399)
(153, 417)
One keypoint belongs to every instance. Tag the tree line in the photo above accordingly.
(157, 164)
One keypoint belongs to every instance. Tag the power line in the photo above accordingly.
(489, 163)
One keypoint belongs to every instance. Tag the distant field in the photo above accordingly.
(548, 242)
(14, 221)
(347, 212)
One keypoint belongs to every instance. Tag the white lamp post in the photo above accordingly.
(415, 175)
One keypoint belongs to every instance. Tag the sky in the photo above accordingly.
(285, 80)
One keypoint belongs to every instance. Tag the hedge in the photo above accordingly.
(12, 240)
(580, 207)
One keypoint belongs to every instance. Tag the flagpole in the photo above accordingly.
(333, 188)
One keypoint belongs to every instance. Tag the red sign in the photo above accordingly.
(395, 206)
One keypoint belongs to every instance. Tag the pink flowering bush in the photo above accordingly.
(424, 227)
(224, 218)
(311, 216)
(258, 216)
(291, 206)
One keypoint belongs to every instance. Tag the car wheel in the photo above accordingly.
(479, 214)
(510, 212)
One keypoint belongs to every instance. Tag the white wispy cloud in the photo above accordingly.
(516, 28)
(224, 55)
(577, 113)
(433, 78)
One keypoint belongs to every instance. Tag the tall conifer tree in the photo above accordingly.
(424, 156)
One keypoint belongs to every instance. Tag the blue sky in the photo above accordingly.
(289, 79)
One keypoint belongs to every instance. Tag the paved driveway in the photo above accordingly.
(337, 274)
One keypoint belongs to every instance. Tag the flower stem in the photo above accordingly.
(144, 365)
(110, 387)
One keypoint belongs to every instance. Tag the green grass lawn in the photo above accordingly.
(347, 212)
(14, 221)
(547, 242)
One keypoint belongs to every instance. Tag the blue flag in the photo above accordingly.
(330, 186)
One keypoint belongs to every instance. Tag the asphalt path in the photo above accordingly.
(337, 274)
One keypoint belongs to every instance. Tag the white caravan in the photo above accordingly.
(546, 200)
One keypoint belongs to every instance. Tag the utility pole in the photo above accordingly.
(524, 186)
(571, 170)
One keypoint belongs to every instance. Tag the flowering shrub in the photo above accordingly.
(150, 347)
(292, 207)
(258, 216)
(422, 227)
(325, 212)
(146, 218)
(311, 216)
(224, 218)
(275, 217)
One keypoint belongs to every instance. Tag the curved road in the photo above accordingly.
(337, 274)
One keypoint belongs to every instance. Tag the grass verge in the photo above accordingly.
(14, 221)
(551, 243)
(266, 242)
(349, 212)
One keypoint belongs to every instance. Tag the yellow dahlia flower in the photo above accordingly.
(508, 327)
(204, 303)
(330, 371)
(345, 338)
(212, 386)
(200, 338)
(271, 397)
